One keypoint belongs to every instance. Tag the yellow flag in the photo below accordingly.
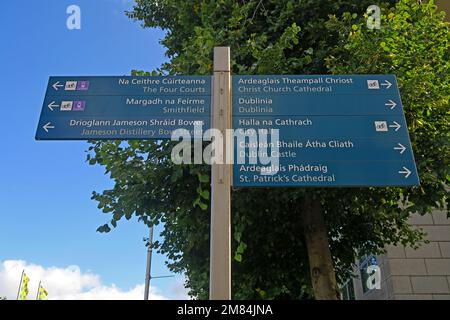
(42, 293)
(23, 289)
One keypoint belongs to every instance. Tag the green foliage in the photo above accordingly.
(414, 44)
(272, 37)
(284, 37)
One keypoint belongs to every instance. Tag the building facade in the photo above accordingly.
(444, 5)
(407, 273)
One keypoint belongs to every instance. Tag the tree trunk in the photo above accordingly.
(321, 267)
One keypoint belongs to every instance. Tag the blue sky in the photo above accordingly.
(47, 217)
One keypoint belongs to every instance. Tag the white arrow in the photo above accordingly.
(57, 85)
(395, 125)
(406, 172)
(391, 104)
(53, 105)
(400, 147)
(387, 84)
(48, 126)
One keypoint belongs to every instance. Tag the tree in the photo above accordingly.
(414, 44)
(272, 233)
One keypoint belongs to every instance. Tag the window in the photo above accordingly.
(347, 291)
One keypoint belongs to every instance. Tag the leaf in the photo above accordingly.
(241, 248)
(104, 229)
(203, 206)
(203, 178)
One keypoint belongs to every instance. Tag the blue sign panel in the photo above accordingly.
(384, 127)
(346, 130)
(289, 105)
(83, 108)
(315, 85)
(326, 149)
(325, 173)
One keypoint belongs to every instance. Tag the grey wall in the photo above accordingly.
(416, 274)
(444, 5)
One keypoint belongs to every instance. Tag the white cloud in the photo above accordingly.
(70, 284)
(178, 291)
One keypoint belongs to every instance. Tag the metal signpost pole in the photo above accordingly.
(220, 247)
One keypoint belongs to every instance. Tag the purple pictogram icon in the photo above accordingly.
(79, 105)
(83, 85)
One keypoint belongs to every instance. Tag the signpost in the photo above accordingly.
(83, 108)
(346, 130)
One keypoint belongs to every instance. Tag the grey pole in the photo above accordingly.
(39, 287)
(148, 276)
(20, 284)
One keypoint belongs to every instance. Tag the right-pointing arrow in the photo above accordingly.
(391, 104)
(387, 84)
(396, 125)
(53, 105)
(400, 147)
(406, 172)
(48, 126)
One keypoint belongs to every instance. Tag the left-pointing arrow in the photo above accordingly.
(53, 105)
(56, 85)
(48, 126)
(406, 172)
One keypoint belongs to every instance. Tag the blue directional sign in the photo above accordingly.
(346, 130)
(319, 104)
(83, 108)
